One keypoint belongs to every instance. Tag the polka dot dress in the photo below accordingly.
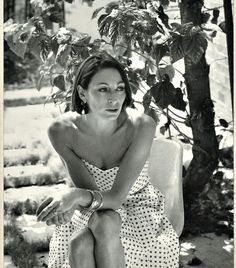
(146, 234)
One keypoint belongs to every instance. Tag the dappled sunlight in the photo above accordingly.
(186, 248)
(229, 245)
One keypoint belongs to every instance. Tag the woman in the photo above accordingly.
(118, 216)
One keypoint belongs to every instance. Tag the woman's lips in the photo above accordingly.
(112, 110)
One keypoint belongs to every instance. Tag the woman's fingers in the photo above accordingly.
(45, 203)
(68, 215)
(60, 218)
(57, 220)
(48, 212)
(50, 222)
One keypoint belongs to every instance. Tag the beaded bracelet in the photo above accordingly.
(96, 200)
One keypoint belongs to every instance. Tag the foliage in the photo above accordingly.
(22, 252)
(213, 210)
(19, 208)
(18, 70)
(140, 27)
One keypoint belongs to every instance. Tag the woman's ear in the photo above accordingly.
(81, 92)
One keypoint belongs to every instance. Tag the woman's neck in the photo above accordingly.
(105, 127)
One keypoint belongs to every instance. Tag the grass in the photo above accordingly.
(16, 157)
(39, 179)
(22, 253)
(19, 208)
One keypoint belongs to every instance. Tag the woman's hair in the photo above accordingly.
(87, 70)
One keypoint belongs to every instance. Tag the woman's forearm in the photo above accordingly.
(84, 198)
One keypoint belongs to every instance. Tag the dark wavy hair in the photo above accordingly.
(87, 69)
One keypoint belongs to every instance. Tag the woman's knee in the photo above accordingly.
(81, 241)
(105, 223)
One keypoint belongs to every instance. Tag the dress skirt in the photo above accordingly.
(147, 236)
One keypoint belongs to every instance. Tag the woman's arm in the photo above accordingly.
(61, 135)
(132, 163)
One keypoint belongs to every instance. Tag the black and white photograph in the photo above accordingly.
(118, 130)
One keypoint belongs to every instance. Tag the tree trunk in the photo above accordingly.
(205, 148)
(230, 44)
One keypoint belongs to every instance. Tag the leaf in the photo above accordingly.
(212, 195)
(167, 124)
(222, 26)
(176, 48)
(153, 26)
(194, 261)
(151, 79)
(194, 30)
(114, 31)
(223, 123)
(56, 16)
(162, 130)
(101, 18)
(147, 100)
(187, 122)
(205, 17)
(185, 28)
(215, 13)
(178, 101)
(184, 140)
(176, 26)
(104, 24)
(34, 45)
(18, 35)
(18, 48)
(163, 17)
(163, 93)
(63, 36)
(39, 82)
(59, 82)
(96, 11)
(159, 51)
(43, 55)
(80, 45)
(152, 113)
(110, 6)
(194, 47)
(62, 54)
(54, 44)
(165, 67)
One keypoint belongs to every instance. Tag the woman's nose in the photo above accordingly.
(112, 101)
(112, 98)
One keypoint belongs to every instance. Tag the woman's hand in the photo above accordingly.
(62, 202)
(60, 218)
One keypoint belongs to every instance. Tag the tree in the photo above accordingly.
(205, 148)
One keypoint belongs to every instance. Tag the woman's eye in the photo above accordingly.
(103, 89)
(120, 88)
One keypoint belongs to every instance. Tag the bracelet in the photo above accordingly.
(100, 197)
(96, 200)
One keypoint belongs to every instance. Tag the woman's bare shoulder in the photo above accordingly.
(141, 120)
(63, 125)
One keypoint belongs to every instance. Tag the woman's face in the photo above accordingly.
(106, 93)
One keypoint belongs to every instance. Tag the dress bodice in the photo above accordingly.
(105, 178)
